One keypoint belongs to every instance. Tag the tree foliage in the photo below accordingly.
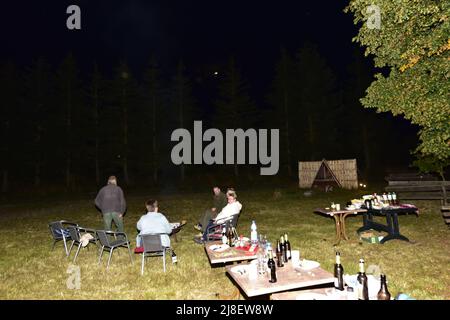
(413, 42)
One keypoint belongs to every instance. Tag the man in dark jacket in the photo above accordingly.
(111, 202)
(219, 201)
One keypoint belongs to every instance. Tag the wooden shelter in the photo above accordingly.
(327, 173)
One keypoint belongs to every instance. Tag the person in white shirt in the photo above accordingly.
(154, 222)
(226, 214)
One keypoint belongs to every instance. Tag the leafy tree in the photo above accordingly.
(412, 41)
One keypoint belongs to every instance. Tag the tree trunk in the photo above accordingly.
(288, 146)
(69, 136)
(311, 136)
(37, 162)
(125, 139)
(366, 149)
(5, 181)
(154, 145)
(96, 120)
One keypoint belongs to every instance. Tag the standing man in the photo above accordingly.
(111, 202)
(219, 201)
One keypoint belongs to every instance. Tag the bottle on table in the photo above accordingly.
(338, 273)
(224, 235)
(174, 257)
(394, 198)
(383, 294)
(288, 246)
(390, 199)
(385, 198)
(283, 249)
(253, 233)
(230, 236)
(279, 255)
(272, 268)
(363, 290)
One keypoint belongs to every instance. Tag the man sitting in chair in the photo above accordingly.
(154, 222)
(232, 208)
(219, 201)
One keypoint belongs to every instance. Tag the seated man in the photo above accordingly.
(219, 201)
(154, 222)
(232, 208)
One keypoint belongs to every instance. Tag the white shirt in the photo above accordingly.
(229, 210)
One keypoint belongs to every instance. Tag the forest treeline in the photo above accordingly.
(63, 129)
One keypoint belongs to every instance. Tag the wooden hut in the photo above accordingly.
(326, 173)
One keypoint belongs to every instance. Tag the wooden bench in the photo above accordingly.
(420, 190)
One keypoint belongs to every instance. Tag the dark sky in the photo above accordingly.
(201, 32)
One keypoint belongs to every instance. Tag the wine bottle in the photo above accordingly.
(383, 294)
(174, 257)
(230, 236)
(288, 246)
(390, 199)
(224, 235)
(338, 273)
(283, 249)
(363, 290)
(272, 268)
(279, 255)
(394, 198)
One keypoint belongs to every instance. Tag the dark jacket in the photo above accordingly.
(110, 198)
(219, 201)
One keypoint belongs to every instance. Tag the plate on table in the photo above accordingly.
(219, 247)
(241, 269)
(308, 264)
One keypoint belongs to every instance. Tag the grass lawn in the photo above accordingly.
(29, 269)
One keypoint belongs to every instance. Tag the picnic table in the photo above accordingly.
(231, 254)
(392, 226)
(339, 217)
(288, 278)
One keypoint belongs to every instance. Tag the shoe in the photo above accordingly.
(199, 240)
(198, 227)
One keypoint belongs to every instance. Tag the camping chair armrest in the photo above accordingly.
(114, 233)
(64, 222)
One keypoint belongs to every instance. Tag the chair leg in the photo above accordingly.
(70, 250)
(65, 245)
(129, 251)
(164, 260)
(142, 263)
(110, 255)
(101, 254)
(78, 251)
(54, 243)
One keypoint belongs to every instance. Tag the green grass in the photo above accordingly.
(29, 269)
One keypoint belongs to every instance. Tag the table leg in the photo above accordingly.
(337, 219)
(344, 234)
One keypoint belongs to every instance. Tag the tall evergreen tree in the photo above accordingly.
(317, 104)
(70, 99)
(283, 100)
(234, 108)
(153, 89)
(8, 105)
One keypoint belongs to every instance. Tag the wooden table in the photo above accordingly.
(288, 278)
(339, 218)
(231, 255)
(297, 295)
(392, 226)
(227, 256)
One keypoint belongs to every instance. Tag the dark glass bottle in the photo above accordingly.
(174, 257)
(230, 236)
(283, 249)
(272, 267)
(363, 290)
(288, 246)
(383, 294)
(279, 255)
(338, 273)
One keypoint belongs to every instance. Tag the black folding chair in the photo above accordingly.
(75, 235)
(153, 248)
(107, 243)
(59, 232)
(214, 231)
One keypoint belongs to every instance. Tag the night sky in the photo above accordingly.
(201, 32)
